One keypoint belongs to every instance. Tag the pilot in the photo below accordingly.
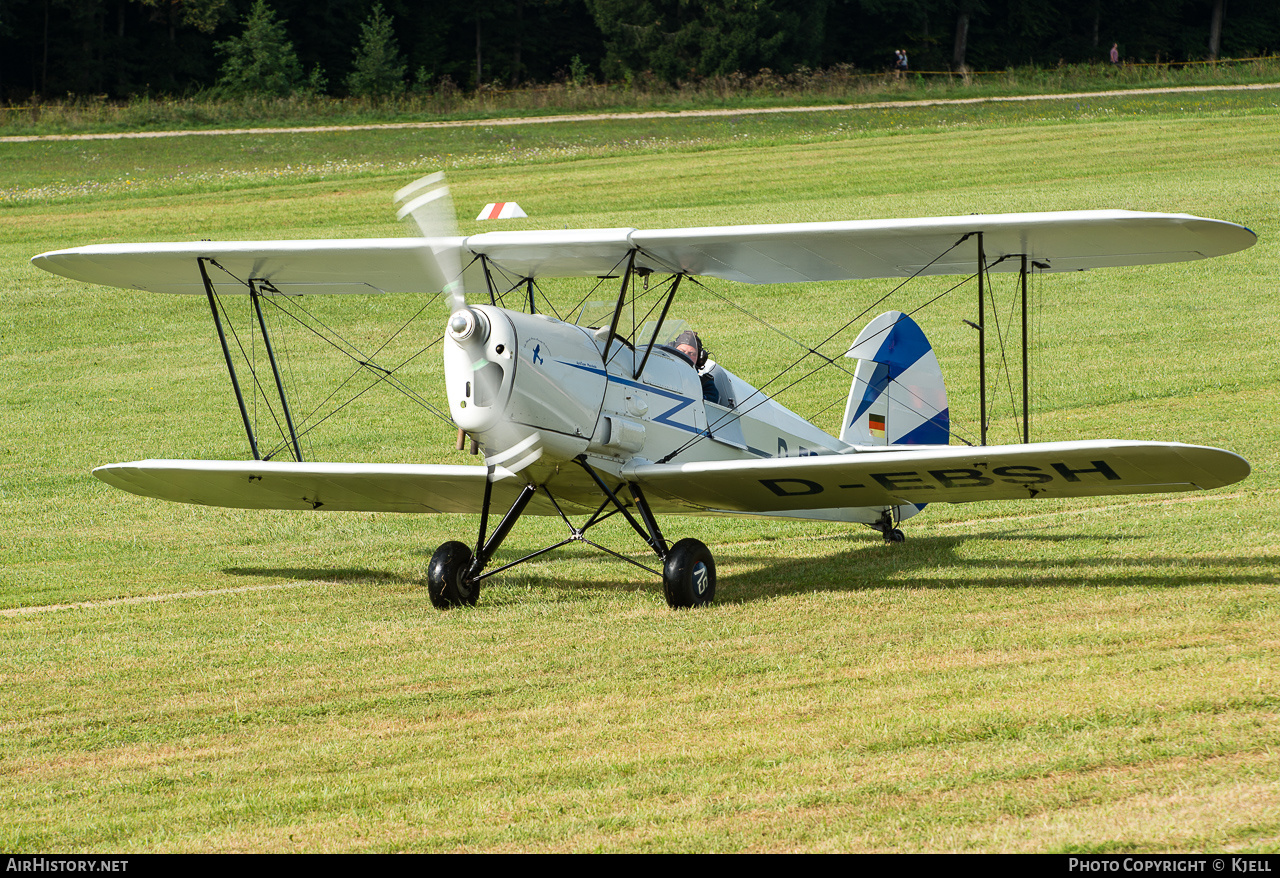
(690, 345)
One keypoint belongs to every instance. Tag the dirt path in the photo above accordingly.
(655, 114)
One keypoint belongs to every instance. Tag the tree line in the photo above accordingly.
(122, 48)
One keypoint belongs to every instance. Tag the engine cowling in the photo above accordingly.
(525, 386)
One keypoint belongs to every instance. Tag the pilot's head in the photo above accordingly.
(690, 345)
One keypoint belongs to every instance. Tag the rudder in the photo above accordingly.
(898, 396)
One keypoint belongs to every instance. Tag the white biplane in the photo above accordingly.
(599, 420)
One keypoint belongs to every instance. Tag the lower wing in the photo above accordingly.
(825, 487)
(255, 484)
(940, 474)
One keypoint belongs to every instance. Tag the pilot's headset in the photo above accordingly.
(690, 338)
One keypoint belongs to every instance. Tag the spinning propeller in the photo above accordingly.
(427, 201)
(509, 447)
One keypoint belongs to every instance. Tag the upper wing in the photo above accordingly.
(1056, 241)
(359, 265)
(941, 474)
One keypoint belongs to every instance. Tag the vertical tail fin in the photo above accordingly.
(898, 396)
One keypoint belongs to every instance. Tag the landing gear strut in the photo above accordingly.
(688, 570)
(887, 525)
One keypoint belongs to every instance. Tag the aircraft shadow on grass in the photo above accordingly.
(916, 567)
(912, 565)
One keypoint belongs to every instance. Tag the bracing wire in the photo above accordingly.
(248, 359)
(364, 362)
(808, 351)
(1015, 407)
(1004, 354)
(335, 340)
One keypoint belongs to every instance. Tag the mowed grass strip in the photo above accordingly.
(1093, 675)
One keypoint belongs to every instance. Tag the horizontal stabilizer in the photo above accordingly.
(942, 474)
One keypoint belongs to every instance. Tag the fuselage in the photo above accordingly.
(536, 393)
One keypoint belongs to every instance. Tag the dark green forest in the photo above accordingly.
(124, 48)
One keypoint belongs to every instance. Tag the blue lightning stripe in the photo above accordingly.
(664, 418)
(682, 402)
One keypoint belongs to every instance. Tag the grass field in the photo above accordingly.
(1092, 675)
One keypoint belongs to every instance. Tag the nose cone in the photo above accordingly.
(468, 327)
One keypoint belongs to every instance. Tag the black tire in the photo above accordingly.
(893, 535)
(447, 581)
(689, 575)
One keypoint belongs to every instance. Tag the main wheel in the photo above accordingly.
(447, 581)
(689, 576)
